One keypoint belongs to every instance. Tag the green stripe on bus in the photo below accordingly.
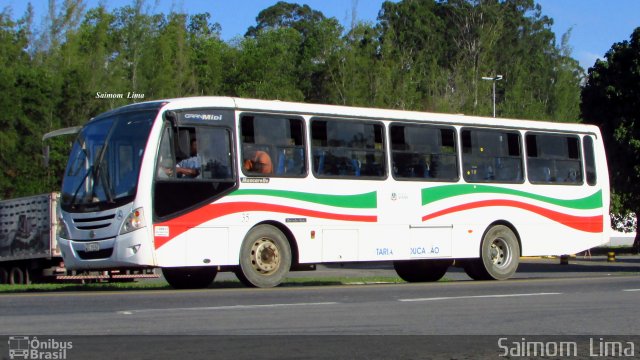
(433, 194)
(357, 201)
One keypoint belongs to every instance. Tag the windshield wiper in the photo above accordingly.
(106, 185)
(84, 178)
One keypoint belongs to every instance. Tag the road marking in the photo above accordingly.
(231, 307)
(477, 297)
(631, 290)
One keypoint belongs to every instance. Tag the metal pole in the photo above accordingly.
(493, 80)
(494, 98)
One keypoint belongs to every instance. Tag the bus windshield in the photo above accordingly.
(104, 163)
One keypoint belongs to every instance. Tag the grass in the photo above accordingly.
(161, 285)
(54, 287)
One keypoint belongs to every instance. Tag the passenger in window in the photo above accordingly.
(190, 167)
(258, 162)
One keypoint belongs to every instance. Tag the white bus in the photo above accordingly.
(207, 184)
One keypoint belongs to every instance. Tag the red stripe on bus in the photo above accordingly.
(212, 211)
(593, 224)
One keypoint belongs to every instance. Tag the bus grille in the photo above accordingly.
(94, 223)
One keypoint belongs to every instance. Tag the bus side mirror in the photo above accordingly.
(55, 133)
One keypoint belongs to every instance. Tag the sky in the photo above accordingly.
(595, 24)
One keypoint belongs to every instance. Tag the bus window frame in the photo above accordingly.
(384, 148)
(274, 159)
(456, 152)
(593, 155)
(187, 182)
(506, 131)
(579, 159)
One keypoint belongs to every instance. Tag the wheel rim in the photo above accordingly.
(265, 256)
(500, 253)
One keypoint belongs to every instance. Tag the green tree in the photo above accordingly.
(611, 100)
(415, 53)
(266, 68)
(286, 15)
(565, 105)
(474, 28)
(207, 55)
(165, 62)
(26, 109)
(351, 74)
(319, 38)
(419, 55)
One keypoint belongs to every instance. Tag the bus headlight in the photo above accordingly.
(62, 230)
(134, 221)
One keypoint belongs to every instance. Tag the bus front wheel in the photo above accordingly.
(189, 277)
(265, 257)
(421, 270)
(499, 255)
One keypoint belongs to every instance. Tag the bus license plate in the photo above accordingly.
(91, 247)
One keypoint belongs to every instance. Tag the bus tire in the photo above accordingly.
(499, 255)
(4, 276)
(265, 257)
(421, 270)
(16, 276)
(190, 277)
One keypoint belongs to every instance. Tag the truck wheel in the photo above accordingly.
(422, 270)
(190, 277)
(4, 276)
(499, 255)
(16, 276)
(265, 257)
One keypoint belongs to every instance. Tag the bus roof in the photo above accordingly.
(244, 104)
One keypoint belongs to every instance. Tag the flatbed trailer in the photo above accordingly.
(29, 250)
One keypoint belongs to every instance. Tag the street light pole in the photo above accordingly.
(494, 79)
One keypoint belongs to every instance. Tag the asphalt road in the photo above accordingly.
(530, 268)
(588, 304)
(589, 297)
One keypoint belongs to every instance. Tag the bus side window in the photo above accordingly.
(421, 152)
(590, 161)
(273, 145)
(345, 149)
(213, 152)
(553, 159)
(182, 146)
(491, 156)
(203, 176)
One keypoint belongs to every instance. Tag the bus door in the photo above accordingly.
(194, 167)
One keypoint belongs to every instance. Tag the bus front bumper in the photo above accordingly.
(130, 250)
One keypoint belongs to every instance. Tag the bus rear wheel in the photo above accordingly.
(265, 257)
(421, 270)
(190, 277)
(499, 255)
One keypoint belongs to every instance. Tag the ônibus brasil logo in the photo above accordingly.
(31, 348)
